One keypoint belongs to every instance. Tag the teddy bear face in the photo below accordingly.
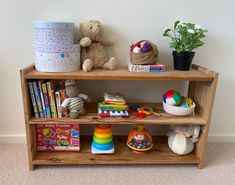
(71, 88)
(92, 29)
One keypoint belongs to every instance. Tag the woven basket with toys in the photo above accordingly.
(143, 52)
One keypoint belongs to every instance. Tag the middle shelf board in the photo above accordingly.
(91, 117)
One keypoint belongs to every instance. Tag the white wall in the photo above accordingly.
(125, 22)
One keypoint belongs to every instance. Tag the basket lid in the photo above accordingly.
(53, 25)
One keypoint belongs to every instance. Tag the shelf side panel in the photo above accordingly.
(203, 93)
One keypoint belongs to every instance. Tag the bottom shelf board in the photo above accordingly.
(160, 154)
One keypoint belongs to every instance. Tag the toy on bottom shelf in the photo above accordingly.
(139, 140)
(59, 137)
(181, 139)
(102, 140)
(175, 104)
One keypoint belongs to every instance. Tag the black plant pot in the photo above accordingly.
(183, 60)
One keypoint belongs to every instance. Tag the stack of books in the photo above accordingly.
(46, 99)
(146, 68)
(113, 105)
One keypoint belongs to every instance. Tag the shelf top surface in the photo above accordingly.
(123, 74)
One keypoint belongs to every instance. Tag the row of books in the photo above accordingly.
(112, 106)
(46, 98)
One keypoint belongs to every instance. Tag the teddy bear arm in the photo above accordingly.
(85, 42)
(65, 103)
(106, 42)
(84, 97)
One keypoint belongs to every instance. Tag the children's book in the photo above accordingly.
(46, 100)
(33, 99)
(108, 107)
(114, 98)
(63, 96)
(51, 94)
(38, 99)
(146, 68)
(58, 102)
(57, 137)
(42, 98)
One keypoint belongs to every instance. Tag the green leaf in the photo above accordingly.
(176, 23)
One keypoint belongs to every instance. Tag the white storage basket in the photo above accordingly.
(57, 58)
(54, 33)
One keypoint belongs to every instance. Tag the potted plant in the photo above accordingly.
(185, 37)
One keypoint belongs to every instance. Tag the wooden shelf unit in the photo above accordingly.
(202, 88)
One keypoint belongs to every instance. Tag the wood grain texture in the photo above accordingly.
(27, 115)
(202, 87)
(203, 93)
(123, 74)
(91, 117)
(160, 154)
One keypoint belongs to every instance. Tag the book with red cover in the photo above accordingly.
(57, 137)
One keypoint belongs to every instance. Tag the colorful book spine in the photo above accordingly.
(58, 102)
(38, 99)
(46, 100)
(51, 94)
(42, 98)
(33, 99)
(63, 96)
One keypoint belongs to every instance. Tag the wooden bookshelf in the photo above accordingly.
(202, 88)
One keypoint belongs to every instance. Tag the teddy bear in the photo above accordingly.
(75, 100)
(93, 54)
(181, 138)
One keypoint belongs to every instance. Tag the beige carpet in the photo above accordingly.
(219, 169)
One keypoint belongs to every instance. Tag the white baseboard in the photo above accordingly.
(12, 139)
(221, 139)
(21, 139)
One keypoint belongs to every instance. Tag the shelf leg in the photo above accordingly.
(30, 136)
(31, 167)
(200, 165)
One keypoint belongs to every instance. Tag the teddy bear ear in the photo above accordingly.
(83, 23)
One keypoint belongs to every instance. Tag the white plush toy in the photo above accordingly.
(181, 139)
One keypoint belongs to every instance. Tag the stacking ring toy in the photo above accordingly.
(102, 146)
(103, 141)
(102, 136)
(103, 130)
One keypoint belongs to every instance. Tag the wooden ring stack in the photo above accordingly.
(102, 140)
